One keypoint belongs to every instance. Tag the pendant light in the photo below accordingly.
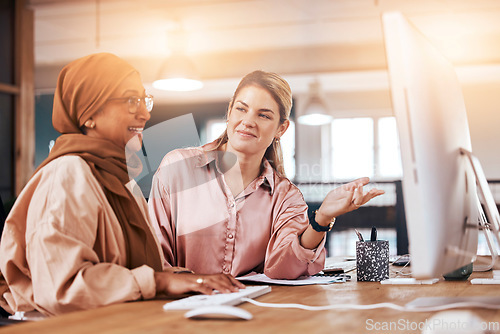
(315, 110)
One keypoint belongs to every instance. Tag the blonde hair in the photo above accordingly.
(282, 94)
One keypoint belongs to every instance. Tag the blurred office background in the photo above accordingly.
(330, 51)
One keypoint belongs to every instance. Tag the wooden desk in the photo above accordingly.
(148, 316)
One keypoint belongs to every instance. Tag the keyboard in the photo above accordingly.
(233, 298)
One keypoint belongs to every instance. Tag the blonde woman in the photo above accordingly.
(227, 207)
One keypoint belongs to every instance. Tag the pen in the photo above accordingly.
(360, 237)
(373, 237)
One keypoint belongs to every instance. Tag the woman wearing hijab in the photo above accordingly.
(227, 207)
(78, 236)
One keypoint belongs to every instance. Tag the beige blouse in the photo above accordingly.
(64, 251)
(203, 227)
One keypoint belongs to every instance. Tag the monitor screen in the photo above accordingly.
(439, 187)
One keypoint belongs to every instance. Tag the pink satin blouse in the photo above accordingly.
(203, 227)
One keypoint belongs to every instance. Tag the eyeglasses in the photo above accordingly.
(134, 102)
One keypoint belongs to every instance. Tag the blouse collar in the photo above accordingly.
(266, 177)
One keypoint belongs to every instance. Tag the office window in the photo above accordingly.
(352, 148)
(288, 148)
(389, 155)
(365, 146)
(216, 127)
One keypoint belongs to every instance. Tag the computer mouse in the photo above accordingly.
(218, 312)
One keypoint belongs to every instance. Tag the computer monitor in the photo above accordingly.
(439, 187)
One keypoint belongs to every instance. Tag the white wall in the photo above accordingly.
(483, 111)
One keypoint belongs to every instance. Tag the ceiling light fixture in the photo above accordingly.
(315, 110)
(178, 73)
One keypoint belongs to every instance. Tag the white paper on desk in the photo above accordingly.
(302, 280)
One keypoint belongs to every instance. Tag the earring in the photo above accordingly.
(89, 124)
(277, 139)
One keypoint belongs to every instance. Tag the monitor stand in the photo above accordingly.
(489, 223)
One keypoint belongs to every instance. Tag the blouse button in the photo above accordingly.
(232, 205)
(230, 236)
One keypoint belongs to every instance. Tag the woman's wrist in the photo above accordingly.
(323, 219)
(318, 223)
(160, 282)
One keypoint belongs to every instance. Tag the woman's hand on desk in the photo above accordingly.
(179, 283)
(347, 197)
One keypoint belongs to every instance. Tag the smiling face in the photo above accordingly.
(115, 123)
(253, 122)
